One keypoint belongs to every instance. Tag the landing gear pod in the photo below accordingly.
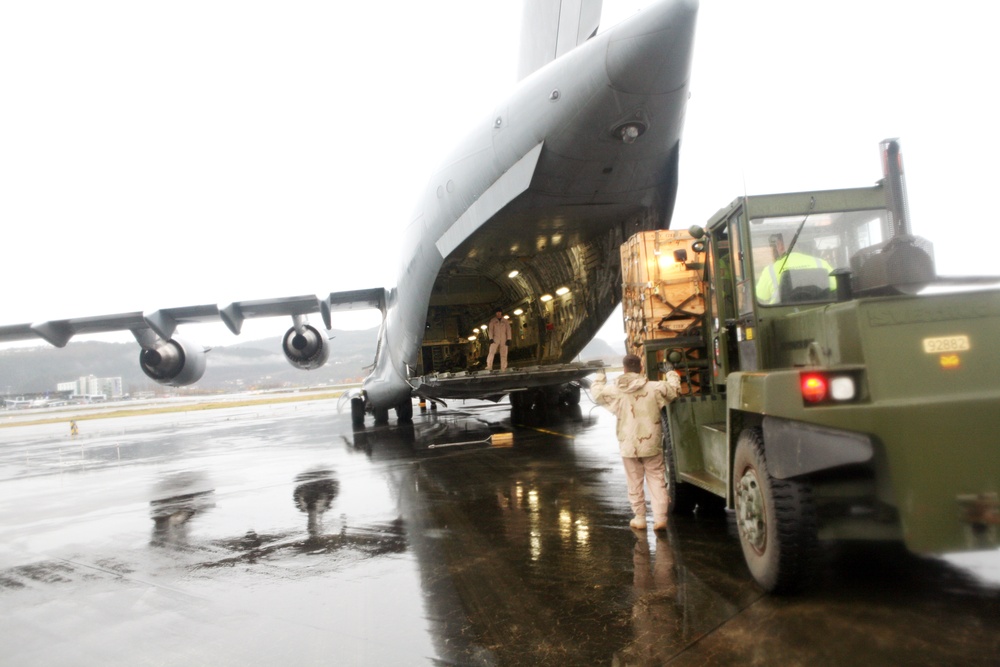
(174, 362)
(305, 347)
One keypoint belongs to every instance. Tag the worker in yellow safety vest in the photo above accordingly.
(767, 284)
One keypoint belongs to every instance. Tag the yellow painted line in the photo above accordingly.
(548, 432)
(164, 409)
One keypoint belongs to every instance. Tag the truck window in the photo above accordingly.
(721, 284)
(793, 256)
(740, 268)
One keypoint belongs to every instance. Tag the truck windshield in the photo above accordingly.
(793, 255)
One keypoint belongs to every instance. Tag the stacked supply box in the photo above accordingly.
(663, 304)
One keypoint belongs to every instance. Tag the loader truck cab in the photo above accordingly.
(833, 388)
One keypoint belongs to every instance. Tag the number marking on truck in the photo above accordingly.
(946, 344)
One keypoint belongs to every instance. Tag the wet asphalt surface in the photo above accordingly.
(280, 535)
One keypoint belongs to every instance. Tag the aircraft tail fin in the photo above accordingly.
(550, 28)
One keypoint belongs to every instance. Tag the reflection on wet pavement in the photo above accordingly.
(178, 498)
(287, 536)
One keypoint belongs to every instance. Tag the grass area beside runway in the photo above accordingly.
(210, 403)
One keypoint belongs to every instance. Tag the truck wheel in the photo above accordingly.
(358, 411)
(776, 519)
(682, 497)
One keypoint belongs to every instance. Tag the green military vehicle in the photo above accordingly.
(835, 387)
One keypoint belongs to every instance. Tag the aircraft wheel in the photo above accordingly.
(516, 408)
(358, 411)
(381, 415)
(552, 396)
(404, 411)
(681, 496)
(776, 519)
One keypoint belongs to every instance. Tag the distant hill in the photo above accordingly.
(257, 363)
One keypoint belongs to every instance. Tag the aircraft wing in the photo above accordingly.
(164, 322)
(59, 332)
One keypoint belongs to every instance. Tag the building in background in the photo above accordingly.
(93, 388)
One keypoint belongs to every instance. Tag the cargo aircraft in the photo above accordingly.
(526, 215)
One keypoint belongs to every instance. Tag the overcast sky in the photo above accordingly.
(164, 154)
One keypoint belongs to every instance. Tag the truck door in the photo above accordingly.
(744, 327)
(721, 295)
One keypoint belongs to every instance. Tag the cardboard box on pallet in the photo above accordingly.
(662, 293)
(661, 296)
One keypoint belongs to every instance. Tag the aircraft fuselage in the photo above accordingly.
(580, 156)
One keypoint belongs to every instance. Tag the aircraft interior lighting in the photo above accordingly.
(513, 274)
(519, 311)
(562, 290)
(545, 297)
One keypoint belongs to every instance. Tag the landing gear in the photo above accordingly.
(520, 403)
(404, 411)
(541, 404)
(561, 394)
(776, 519)
(358, 411)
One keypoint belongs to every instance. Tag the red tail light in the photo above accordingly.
(814, 387)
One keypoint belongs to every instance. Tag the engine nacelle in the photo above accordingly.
(173, 362)
(306, 350)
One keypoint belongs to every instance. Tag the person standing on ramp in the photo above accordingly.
(499, 332)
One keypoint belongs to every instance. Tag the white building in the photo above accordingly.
(91, 387)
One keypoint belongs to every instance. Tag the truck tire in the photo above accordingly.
(681, 497)
(776, 519)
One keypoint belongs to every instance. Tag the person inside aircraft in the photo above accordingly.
(770, 288)
(500, 335)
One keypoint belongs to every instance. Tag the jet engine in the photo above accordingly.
(173, 362)
(305, 347)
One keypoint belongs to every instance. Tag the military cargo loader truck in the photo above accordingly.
(834, 388)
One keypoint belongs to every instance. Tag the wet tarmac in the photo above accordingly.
(278, 535)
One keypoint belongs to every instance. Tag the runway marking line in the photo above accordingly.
(548, 432)
(192, 407)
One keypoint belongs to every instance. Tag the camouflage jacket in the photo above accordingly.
(636, 401)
